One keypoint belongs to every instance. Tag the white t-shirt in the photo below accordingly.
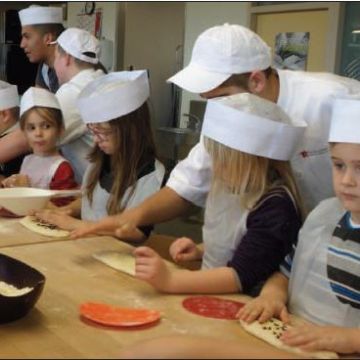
(76, 142)
(303, 96)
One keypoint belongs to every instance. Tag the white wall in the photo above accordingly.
(111, 23)
(202, 15)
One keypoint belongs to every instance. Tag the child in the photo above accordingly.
(41, 123)
(321, 281)
(9, 113)
(253, 212)
(123, 168)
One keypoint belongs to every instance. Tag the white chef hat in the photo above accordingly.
(35, 96)
(35, 15)
(345, 121)
(9, 96)
(253, 125)
(80, 44)
(220, 52)
(113, 95)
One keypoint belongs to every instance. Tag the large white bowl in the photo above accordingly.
(20, 200)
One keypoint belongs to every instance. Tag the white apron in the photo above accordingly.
(145, 186)
(310, 294)
(41, 169)
(224, 227)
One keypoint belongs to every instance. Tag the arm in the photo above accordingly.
(164, 205)
(13, 145)
(272, 229)
(310, 337)
(271, 301)
(189, 184)
(153, 269)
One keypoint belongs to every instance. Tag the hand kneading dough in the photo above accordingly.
(117, 260)
(271, 331)
(43, 228)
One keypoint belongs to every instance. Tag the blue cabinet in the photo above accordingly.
(350, 49)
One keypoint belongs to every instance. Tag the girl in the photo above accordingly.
(325, 288)
(42, 124)
(253, 211)
(123, 168)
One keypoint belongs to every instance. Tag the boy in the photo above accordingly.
(325, 288)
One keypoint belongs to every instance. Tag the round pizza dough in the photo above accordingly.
(212, 307)
(43, 228)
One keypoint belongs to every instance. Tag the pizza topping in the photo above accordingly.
(213, 307)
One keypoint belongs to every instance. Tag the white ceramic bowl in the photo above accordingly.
(19, 200)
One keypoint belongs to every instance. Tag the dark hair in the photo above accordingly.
(134, 149)
(242, 80)
(54, 29)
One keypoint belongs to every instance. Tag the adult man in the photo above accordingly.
(229, 59)
(40, 25)
(76, 61)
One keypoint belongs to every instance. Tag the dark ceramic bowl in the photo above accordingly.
(20, 275)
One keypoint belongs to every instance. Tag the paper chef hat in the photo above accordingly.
(220, 52)
(345, 121)
(9, 96)
(80, 44)
(253, 125)
(38, 97)
(34, 15)
(113, 95)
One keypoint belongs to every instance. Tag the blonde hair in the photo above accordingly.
(249, 176)
(134, 149)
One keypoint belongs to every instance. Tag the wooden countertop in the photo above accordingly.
(53, 329)
(12, 233)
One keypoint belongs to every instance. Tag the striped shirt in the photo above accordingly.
(343, 262)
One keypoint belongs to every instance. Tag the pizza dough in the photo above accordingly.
(118, 316)
(43, 228)
(120, 261)
(212, 307)
(271, 331)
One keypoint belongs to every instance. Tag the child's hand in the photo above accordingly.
(262, 309)
(310, 337)
(184, 249)
(151, 268)
(16, 180)
(58, 218)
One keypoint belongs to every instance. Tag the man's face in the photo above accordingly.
(33, 43)
(60, 66)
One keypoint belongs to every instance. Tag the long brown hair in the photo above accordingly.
(249, 176)
(134, 148)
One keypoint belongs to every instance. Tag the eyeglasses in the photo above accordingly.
(96, 130)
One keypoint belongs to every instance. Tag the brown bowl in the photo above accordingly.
(20, 275)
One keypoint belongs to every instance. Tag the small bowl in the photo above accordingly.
(20, 275)
(20, 200)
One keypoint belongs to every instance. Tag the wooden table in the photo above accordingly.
(53, 329)
(12, 233)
